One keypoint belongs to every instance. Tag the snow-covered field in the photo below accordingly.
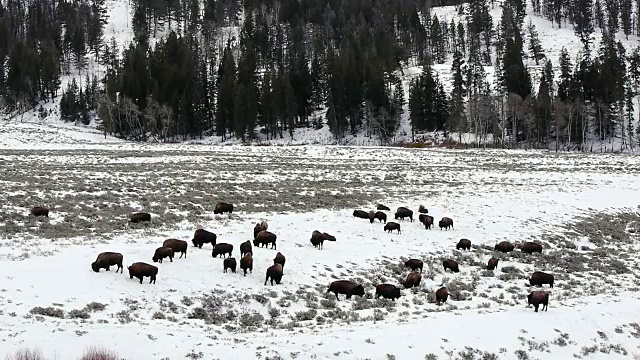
(582, 208)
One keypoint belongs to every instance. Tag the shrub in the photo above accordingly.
(94, 353)
(26, 354)
(48, 311)
(78, 314)
(95, 306)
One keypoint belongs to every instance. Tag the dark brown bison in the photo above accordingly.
(328, 237)
(464, 244)
(346, 287)
(361, 214)
(106, 260)
(390, 226)
(451, 265)
(274, 272)
(229, 263)
(139, 217)
(259, 227)
(442, 295)
(317, 239)
(492, 264)
(540, 278)
(245, 248)
(178, 246)
(222, 208)
(140, 270)
(445, 223)
(265, 238)
(39, 211)
(161, 253)
(403, 212)
(380, 216)
(382, 207)
(202, 236)
(388, 291)
(504, 247)
(531, 247)
(413, 280)
(414, 264)
(536, 298)
(246, 263)
(222, 249)
(428, 221)
(279, 259)
(422, 210)
(372, 216)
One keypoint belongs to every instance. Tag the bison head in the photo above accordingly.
(256, 242)
(95, 266)
(195, 243)
(396, 293)
(358, 290)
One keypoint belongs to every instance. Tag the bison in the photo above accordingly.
(222, 208)
(403, 212)
(442, 295)
(382, 207)
(39, 211)
(346, 287)
(422, 210)
(222, 249)
(139, 217)
(492, 264)
(328, 237)
(445, 223)
(202, 236)
(245, 248)
(178, 246)
(540, 278)
(531, 247)
(140, 270)
(262, 225)
(361, 214)
(274, 272)
(161, 253)
(536, 298)
(388, 291)
(413, 280)
(504, 247)
(106, 260)
(428, 221)
(451, 265)
(317, 239)
(279, 259)
(390, 226)
(246, 263)
(380, 216)
(464, 244)
(229, 263)
(265, 238)
(414, 264)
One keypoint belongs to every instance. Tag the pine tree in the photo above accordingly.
(457, 119)
(535, 46)
(626, 10)
(583, 17)
(566, 76)
(599, 15)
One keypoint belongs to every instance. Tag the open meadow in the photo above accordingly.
(583, 209)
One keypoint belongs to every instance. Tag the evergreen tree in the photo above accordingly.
(535, 46)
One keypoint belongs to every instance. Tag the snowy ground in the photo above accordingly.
(583, 209)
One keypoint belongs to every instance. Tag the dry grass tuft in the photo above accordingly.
(95, 353)
(26, 354)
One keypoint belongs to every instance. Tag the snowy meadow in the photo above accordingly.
(583, 209)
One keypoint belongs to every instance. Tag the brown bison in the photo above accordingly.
(279, 259)
(161, 253)
(414, 264)
(531, 247)
(464, 244)
(265, 238)
(229, 263)
(222, 208)
(361, 214)
(259, 227)
(139, 217)
(106, 260)
(39, 211)
(413, 280)
(178, 246)
(388, 291)
(442, 295)
(427, 221)
(390, 226)
(451, 265)
(140, 270)
(445, 223)
(536, 298)
(202, 236)
(346, 287)
(504, 247)
(403, 212)
(540, 278)
(382, 207)
(274, 272)
(492, 264)
(245, 248)
(380, 216)
(422, 210)
(222, 249)
(317, 239)
(246, 263)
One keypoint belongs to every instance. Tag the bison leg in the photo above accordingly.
(120, 267)
(338, 299)
(153, 279)
(107, 267)
(536, 307)
(141, 277)
(170, 258)
(266, 279)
